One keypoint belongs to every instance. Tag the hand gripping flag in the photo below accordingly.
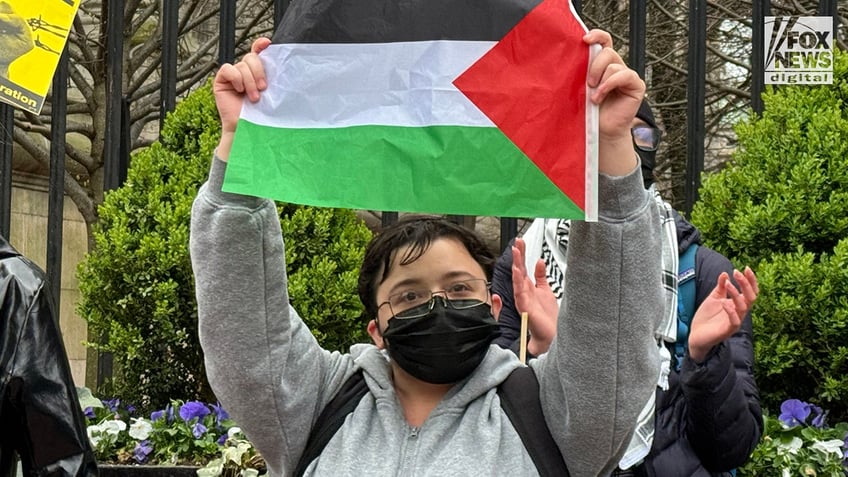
(467, 107)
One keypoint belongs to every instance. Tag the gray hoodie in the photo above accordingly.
(272, 376)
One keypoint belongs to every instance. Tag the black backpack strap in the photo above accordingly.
(519, 395)
(331, 419)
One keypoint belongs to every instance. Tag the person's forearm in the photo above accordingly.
(610, 153)
(235, 316)
(604, 362)
(225, 145)
(723, 415)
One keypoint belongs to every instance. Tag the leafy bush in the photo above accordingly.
(137, 285)
(780, 207)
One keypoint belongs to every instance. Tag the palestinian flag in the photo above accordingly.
(467, 107)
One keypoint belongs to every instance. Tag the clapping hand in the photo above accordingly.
(535, 299)
(721, 313)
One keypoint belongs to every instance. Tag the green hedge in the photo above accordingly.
(137, 285)
(781, 206)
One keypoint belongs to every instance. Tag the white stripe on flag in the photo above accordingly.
(321, 85)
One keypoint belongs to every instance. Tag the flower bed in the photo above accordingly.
(800, 442)
(193, 437)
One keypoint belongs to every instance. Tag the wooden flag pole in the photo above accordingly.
(522, 351)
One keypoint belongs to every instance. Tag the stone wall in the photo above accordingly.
(29, 236)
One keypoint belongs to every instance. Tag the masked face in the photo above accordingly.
(647, 158)
(446, 344)
(646, 139)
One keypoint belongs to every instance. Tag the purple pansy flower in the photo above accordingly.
(156, 415)
(112, 404)
(220, 413)
(192, 409)
(845, 449)
(169, 411)
(131, 409)
(818, 417)
(89, 412)
(794, 412)
(198, 430)
(223, 439)
(142, 451)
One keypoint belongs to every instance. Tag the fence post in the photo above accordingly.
(695, 79)
(114, 92)
(168, 91)
(636, 53)
(112, 146)
(827, 8)
(388, 218)
(227, 32)
(509, 229)
(760, 9)
(56, 188)
(7, 124)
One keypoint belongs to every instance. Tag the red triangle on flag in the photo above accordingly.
(525, 84)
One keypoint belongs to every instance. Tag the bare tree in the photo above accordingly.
(727, 84)
(728, 66)
(198, 29)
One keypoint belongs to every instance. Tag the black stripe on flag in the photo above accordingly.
(383, 21)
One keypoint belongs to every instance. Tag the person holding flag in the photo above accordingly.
(431, 405)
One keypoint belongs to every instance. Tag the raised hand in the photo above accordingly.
(721, 313)
(537, 300)
(618, 91)
(234, 82)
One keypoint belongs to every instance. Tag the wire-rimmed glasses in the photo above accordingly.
(459, 295)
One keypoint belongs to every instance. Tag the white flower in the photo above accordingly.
(793, 446)
(236, 454)
(233, 431)
(107, 431)
(140, 429)
(833, 446)
(113, 426)
(214, 468)
(94, 435)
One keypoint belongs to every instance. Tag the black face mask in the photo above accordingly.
(647, 158)
(444, 346)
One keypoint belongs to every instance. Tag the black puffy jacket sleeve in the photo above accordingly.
(40, 416)
(723, 416)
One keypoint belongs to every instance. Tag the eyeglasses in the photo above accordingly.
(458, 295)
(646, 138)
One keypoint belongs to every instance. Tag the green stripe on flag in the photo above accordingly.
(435, 169)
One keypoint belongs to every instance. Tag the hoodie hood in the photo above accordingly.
(687, 234)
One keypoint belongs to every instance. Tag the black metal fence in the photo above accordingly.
(116, 124)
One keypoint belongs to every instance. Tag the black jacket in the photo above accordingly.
(709, 420)
(40, 415)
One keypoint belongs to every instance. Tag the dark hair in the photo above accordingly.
(417, 231)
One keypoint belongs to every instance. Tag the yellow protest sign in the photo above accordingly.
(32, 36)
